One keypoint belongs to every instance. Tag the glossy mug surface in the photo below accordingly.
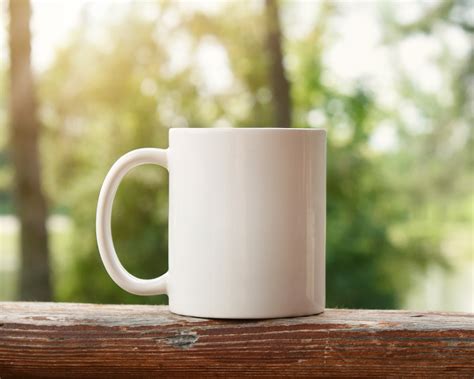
(247, 212)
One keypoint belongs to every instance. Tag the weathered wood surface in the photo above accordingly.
(84, 340)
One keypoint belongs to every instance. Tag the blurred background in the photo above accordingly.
(392, 82)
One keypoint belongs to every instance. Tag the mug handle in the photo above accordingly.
(112, 264)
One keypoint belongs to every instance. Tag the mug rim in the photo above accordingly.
(245, 129)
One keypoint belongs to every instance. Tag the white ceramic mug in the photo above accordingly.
(247, 212)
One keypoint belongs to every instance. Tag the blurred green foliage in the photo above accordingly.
(105, 96)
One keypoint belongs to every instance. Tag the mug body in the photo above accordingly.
(247, 212)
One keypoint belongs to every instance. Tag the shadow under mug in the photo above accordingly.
(247, 213)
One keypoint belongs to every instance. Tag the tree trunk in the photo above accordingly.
(29, 200)
(279, 83)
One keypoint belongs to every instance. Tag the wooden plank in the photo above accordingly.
(85, 340)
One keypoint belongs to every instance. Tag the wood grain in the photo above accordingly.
(85, 340)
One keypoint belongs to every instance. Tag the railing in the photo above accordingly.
(84, 340)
